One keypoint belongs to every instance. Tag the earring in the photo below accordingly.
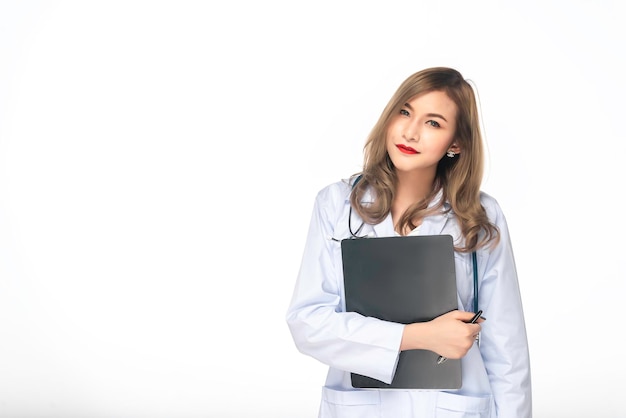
(451, 154)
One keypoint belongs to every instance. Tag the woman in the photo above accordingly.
(423, 166)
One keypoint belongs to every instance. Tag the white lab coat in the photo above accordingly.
(496, 376)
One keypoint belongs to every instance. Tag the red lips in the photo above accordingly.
(406, 150)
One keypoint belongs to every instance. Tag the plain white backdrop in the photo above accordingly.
(159, 161)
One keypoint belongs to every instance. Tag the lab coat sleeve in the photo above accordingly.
(504, 344)
(344, 340)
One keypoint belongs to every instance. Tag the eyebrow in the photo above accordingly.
(431, 115)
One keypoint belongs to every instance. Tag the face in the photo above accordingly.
(422, 133)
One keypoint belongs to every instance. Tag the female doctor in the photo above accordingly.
(423, 166)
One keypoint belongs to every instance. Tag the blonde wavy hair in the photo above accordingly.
(458, 178)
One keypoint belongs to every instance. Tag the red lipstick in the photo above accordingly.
(406, 150)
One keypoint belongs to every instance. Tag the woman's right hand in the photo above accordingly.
(448, 335)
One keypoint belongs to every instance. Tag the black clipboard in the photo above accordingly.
(404, 279)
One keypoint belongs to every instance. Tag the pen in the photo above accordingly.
(441, 359)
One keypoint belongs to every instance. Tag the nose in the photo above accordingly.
(411, 132)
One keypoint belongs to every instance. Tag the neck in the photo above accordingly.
(413, 187)
(410, 189)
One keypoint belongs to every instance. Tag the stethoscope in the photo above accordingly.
(355, 235)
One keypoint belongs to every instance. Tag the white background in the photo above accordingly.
(159, 161)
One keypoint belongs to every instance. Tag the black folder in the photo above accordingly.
(404, 279)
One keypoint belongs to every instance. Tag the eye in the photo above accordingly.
(433, 123)
(404, 112)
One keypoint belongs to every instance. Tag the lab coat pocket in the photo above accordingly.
(450, 405)
(349, 403)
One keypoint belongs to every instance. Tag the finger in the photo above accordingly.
(465, 316)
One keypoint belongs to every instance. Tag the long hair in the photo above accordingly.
(459, 178)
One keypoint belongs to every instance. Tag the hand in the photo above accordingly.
(447, 335)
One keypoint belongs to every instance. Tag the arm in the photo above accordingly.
(320, 329)
(504, 345)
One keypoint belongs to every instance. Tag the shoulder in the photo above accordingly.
(492, 208)
(332, 203)
(337, 192)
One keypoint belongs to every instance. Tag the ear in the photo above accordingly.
(454, 148)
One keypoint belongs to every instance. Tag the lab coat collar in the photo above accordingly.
(434, 225)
